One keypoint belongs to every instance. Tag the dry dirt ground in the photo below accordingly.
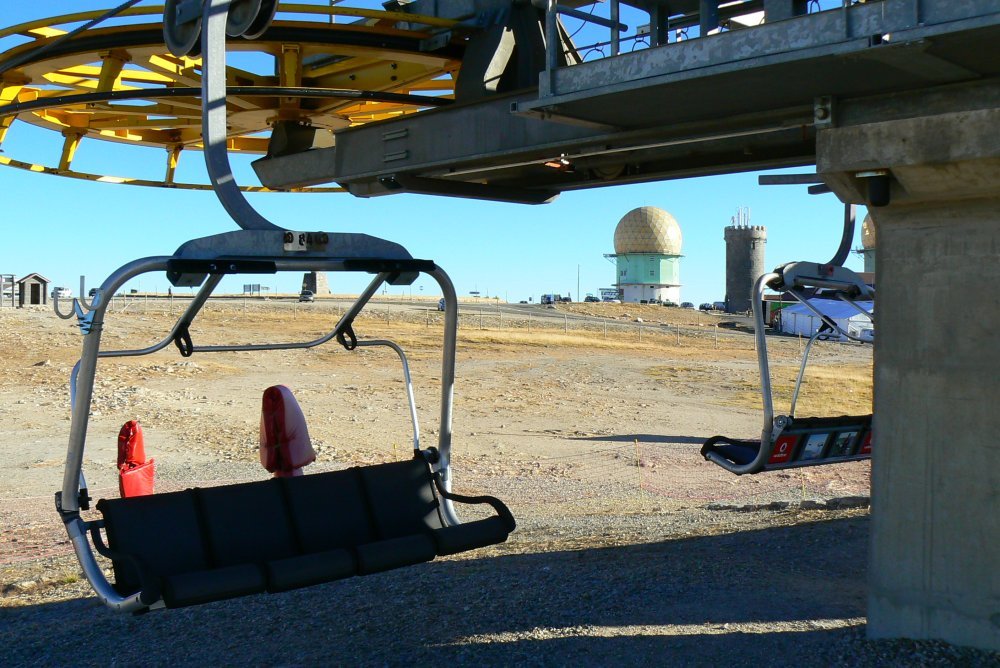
(630, 549)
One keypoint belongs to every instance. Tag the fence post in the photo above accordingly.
(639, 326)
(638, 464)
(716, 335)
(529, 322)
(678, 334)
(565, 324)
(500, 328)
(427, 319)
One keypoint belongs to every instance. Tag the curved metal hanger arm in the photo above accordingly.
(213, 120)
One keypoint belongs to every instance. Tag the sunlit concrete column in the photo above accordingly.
(934, 568)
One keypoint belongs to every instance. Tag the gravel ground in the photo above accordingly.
(755, 588)
(630, 550)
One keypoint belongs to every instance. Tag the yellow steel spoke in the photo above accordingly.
(130, 75)
(71, 143)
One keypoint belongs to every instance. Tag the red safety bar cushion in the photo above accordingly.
(131, 445)
(136, 476)
(285, 446)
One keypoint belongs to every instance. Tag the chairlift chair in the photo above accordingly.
(195, 546)
(788, 441)
(200, 545)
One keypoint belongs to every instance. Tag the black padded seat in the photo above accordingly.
(401, 498)
(384, 555)
(328, 510)
(160, 531)
(470, 535)
(246, 523)
(212, 585)
(310, 569)
(274, 535)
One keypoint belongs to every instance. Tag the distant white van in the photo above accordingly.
(62, 293)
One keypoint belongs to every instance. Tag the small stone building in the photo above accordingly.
(316, 282)
(33, 289)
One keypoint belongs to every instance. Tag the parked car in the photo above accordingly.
(591, 299)
(307, 296)
(687, 305)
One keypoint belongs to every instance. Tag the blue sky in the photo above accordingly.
(63, 228)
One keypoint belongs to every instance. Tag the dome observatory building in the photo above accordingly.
(647, 256)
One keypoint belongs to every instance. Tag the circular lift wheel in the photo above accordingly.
(120, 83)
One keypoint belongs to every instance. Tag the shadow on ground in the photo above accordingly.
(663, 602)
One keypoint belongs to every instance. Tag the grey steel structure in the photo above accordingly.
(745, 247)
(739, 100)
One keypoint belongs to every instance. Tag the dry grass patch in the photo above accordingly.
(826, 391)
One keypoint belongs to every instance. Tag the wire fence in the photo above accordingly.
(633, 323)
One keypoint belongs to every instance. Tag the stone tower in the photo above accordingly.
(745, 244)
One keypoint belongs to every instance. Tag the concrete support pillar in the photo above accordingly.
(934, 567)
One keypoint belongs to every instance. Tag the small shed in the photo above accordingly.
(33, 289)
(799, 320)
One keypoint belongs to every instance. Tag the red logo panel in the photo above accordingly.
(783, 449)
(866, 445)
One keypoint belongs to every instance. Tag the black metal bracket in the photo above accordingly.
(347, 338)
(182, 339)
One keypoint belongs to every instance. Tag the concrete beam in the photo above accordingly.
(934, 570)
